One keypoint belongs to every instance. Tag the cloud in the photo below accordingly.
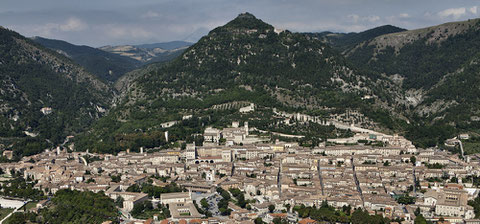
(72, 24)
(126, 32)
(373, 19)
(455, 13)
(473, 10)
(354, 18)
(403, 15)
(150, 14)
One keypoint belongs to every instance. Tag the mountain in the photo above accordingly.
(244, 61)
(346, 41)
(105, 65)
(44, 96)
(172, 45)
(149, 53)
(435, 69)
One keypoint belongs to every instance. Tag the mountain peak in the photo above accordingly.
(246, 15)
(248, 21)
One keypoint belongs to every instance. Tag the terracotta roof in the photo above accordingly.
(307, 221)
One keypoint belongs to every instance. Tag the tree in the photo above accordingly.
(420, 220)
(279, 221)
(271, 208)
(413, 160)
(406, 200)
(119, 201)
(258, 221)
(288, 207)
(116, 178)
(204, 204)
(454, 180)
(417, 211)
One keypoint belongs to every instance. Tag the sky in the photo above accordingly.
(116, 22)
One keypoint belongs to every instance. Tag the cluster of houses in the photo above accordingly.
(282, 174)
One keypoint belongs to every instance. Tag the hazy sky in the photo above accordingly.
(102, 22)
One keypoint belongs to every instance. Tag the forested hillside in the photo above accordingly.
(245, 60)
(419, 83)
(33, 77)
(347, 41)
(435, 70)
(105, 65)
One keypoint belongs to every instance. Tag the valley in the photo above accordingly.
(249, 124)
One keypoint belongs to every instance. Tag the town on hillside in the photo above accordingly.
(238, 177)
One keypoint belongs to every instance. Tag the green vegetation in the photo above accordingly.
(475, 180)
(347, 41)
(449, 105)
(422, 70)
(116, 178)
(329, 214)
(80, 207)
(21, 188)
(4, 212)
(155, 191)
(105, 65)
(471, 145)
(223, 204)
(242, 62)
(72, 207)
(145, 210)
(21, 218)
(232, 64)
(34, 77)
(434, 166)
(406, 200)
(30, 205)
(476, 206)
(420, 220)
(239, 196)
(271, 208)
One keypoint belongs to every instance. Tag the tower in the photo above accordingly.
(166, 136)
(246, 127)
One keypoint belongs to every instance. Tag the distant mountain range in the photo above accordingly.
(172, 45)
(344, 41)
(105, 65)
(111, 62)
(149, 53)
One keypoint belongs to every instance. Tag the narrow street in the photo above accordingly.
(320, 176)
(279, 180)
(359, 189)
